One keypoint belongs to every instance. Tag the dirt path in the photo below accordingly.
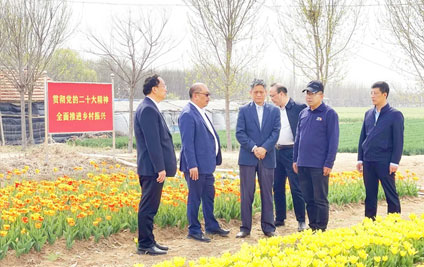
(119, 249)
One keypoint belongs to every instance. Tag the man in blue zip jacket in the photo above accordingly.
(314, 153)
(380, 149)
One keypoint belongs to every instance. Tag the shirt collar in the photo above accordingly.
(257, 106)
(156, 103)
(320, 108)
(201, 110)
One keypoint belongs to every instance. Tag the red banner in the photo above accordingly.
(79, 107)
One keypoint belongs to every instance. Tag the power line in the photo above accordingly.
(187, 5)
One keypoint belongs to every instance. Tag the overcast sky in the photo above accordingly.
(372, 58)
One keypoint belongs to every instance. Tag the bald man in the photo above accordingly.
(200, 153)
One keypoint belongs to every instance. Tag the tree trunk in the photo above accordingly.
(227, 121)
(23, 119)
(229, 45)
(30, 126)
(131, 122)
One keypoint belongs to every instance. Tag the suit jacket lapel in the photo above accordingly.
(201, 118)
(150, 102)
(213, 128)
(254, 114)
(265, 115)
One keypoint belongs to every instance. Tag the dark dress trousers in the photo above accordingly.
(315, 147)
(381, 143)
(198, 150)
(249, 133)
(284, 169)
(155, 153)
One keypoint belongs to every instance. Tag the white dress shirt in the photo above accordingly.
(260, 112)
(156, 103)
(208, 124)
(286, 135)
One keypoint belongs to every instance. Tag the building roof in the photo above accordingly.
(9, 93)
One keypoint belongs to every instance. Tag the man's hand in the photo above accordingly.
(194, 173)
(295, 167)
(256, 153)
(392, 168)
(359, 166)
(161, 176)
(326, 171)
(260, 152)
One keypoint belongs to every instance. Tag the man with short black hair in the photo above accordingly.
(380, 150)
(258, 126)
(289, 113)
(314, 153)
(155, 161)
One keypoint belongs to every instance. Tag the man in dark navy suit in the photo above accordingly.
(257, 130)
(155, 161)
(289, 113)
(200, 153)
(380, 149)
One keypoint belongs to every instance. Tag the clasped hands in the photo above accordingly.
(259, 152)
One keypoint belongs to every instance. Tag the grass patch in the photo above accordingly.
(350, 120)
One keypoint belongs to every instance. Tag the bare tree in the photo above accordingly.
(33, 29)
(316, 35)
(134, 45)
(406, 20)
(223, 31)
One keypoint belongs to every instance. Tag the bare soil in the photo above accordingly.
(119, 249)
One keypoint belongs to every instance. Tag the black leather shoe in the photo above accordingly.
(151, 251)
(161, 247)
(279, 223)
(199, 237)
(219, 231)
(242, 234)
(269, 234)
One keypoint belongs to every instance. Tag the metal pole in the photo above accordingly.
(46, 115)
(112, 77)
(1, 131)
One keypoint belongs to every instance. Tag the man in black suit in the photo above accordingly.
(155, 161)
(289, 114)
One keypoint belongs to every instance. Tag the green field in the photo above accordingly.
(350, 127)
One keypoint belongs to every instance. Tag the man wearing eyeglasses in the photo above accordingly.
(314, 153)
(200, 153)
(289, 112)
(155, 161)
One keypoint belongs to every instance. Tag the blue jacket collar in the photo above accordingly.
(383, 109)
(320, 108)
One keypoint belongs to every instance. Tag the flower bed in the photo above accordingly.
(106, 201)
(386, 242)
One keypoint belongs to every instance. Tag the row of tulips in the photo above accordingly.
(106, 201)
(391, 241)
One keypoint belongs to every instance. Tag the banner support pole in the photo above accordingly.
(46, 115)
(112, 77)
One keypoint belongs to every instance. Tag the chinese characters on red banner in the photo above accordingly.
(79, 107)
